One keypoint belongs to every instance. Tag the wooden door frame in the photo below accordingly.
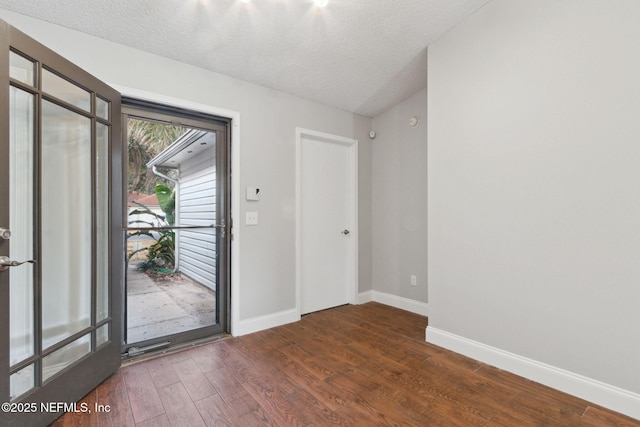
(352, 188)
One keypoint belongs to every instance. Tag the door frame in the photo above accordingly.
(352, 189)
(163, 113)
(233, 302)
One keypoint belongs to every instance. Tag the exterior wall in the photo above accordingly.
(197, 206)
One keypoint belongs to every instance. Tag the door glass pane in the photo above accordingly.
(21, 382)
(102, 221)
(171, 275)
(60, 359)
(21, 69)
(102, 335)
(66, 223)
(102, 108)
(66, 91)
(21, 143)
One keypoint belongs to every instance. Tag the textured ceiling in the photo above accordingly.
(362, 56)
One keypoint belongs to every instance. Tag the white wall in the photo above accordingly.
(534, 172)
(399, 201)
(197, 206)
(267, 157)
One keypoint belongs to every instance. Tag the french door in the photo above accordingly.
(60, 231)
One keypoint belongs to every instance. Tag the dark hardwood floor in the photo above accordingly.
(364, 365)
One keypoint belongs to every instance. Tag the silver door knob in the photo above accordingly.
(5, 233)
(5, 263)
(346, 232)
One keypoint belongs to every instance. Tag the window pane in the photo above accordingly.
(102, 108)
(21, 150)
(21, 382)
(102, 221)
(66, 91)
(60, 359)
(102, 335)
(21, 69)
(66, 223)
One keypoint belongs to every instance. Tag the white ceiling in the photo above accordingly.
(362, 56)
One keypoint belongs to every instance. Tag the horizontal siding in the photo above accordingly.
(205, 256)
(207, 269)
(198, 244)
(202, 183)
(197, 206)
(202, 280)
(199, 193)
(207, 272)
(196, 222)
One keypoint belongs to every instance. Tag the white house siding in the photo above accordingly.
(197, 206)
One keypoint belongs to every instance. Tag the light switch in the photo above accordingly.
(251, 218)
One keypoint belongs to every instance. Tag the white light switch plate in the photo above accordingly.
(251, 218)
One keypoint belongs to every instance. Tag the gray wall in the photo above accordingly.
(365, 227)
(534, 169)
(267, 157)
(399, 194)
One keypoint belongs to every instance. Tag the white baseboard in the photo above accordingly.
(394, 301)
(260, 323)
(600, 393)
(364, 297)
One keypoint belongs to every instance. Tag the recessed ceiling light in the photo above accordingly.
(320, 3)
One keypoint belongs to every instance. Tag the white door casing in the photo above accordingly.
(326, 220)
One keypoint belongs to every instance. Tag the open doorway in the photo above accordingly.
(177, 226)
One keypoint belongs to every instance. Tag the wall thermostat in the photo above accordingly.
(372, 134)
(413, 122)
(253, 194)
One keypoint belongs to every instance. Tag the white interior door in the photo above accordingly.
(327, 205)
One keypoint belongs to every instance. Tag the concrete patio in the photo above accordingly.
(159, 308)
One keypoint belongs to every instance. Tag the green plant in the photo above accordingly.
(167, 201)
(161, 254)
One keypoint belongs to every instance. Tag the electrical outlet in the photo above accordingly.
(414, 280)
(251, 218)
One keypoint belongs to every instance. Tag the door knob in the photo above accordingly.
(5, 233)
(346, 232)
(5, 263)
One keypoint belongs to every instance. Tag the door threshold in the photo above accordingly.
(159, 350)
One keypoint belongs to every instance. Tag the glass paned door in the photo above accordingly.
(60, 222)
(177, 226)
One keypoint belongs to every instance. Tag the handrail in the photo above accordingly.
(174, 227)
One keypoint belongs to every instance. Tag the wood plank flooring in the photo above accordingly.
(365, 365)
